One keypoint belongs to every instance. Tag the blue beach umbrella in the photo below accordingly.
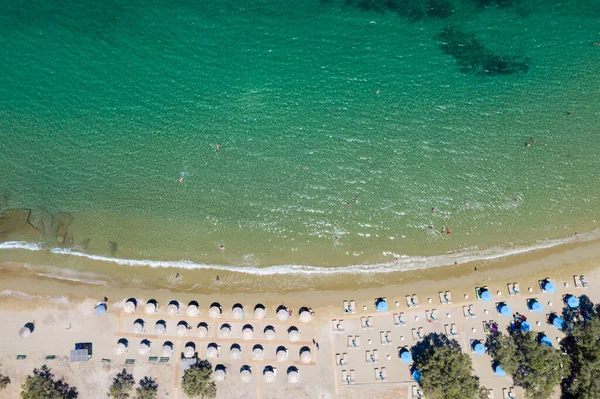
(525, 326)
(573, 302)
(536, 306)
(558, 322)
(382, 305)
(546, 340)
(405, 356)
(479, 348)
(549, 287)
(505, 310)
(416, 375)
(101, 308)
(486, 296)
(499, 371)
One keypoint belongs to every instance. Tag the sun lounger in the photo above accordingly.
(345, 358)
(345, 377)
(382, 337)
(383, 374)
(21, 357)
(368, 357)
(576, 281)
(442, 297)
(415, 300)
(164, 359)
(335, 325)
(370, 322)
(414, 334)
(376, 370)
(486, 326)
(50, 357)
(153, 359)
(129, 361)
(448, 297)
(363, 322)
(397, 320)
(341, 326)
(408, 301)
(510, 287)
(346, 307)
(352, 376)
(415, 392)
(351, 343)
(353, 306)
(466, 312)
(491, 394)
(420, 333)
(447, 329)
(516, 288)
(511, 393)
(583, 281)
(338, 359)
(376, 355)
(453, 330)
(505, 393)
(470, 311)
(388, 337)
(357, 341)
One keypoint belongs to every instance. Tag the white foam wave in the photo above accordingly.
(64, 274)
(402, 262)
(20, 245)
(27, 297)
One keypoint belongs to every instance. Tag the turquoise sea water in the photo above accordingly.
(394, 107)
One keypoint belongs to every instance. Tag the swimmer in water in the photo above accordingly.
(347, 205)
(222, 247)
(434, 209)
(466, 203)
(218, 146)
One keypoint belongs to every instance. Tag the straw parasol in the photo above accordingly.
(269, 333)
(225, 331)
(192, 311)
(236, 354)
(219, 375)
(282, 314)
(260, 313)
(24, 332)
(144, 347)
(269, 376)
(138, 327)
(237, 312)
(258, 354)
(172, 309)
(282, 355)
(246, 375)
(214, 312)
(181, 329)
(150, 308)
(129, 306)
(247, 332)
(212, 351)
(294, 335)
(305, 316)
(306, 356)
(293, 377)
(202, 330)
(167, 350)
(121, 348)
(159, 328)
(189, 351)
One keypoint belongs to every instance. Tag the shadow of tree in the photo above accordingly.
(430, 341)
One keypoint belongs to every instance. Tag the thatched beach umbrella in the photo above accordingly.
(189, 351)
(282, 354)
(167, 349)
(258, 353)
(283, 314)
(151, 307)
(202, 330)
(269, 376)
(260, 312)
(294, 335)
(160, 327)
(225, 331)
(293, 376)
(144, 347)
(24, 332)
(214, 312)
(192, 310)
(247, 332)
(236, 353)
(129, 306)
(121, 347)
(173, 308)
(237, 312)
(219, 374)
(182, 328)
(269, 333)
(212, 351)
(138, 326)
(305, 316)
(246, 375)
(305, 355)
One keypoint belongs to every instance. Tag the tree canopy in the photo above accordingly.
(121, 386)
(535, 367)
(147, 389)
(42, 385)
(446, 372)
(197, 381)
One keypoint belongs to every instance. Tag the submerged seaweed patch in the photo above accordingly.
(473, 57)
(414, 10)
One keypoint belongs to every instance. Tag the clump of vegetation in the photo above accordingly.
(42, 385)
(446, 372)
(4, 381)
(121, 386)
(474, 57)
(197, 381)
(147, 390)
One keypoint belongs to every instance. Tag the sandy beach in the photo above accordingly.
(63, 314)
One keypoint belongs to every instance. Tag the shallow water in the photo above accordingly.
(316, 104)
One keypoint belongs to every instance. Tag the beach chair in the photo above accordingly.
(164, 359)
(415, 300)
(382, 338)
(376, 370)
(511, 289)
(466, 312)
(345, 377)
(490, 394)
(50, 357)
(477, 293)
(388, 337)
(420, 333)
(345, 358)
(447, 330)
(414, 334)
(352, 376)
(442, 298)
(129, 361)
(338, 360)
(350, 342)
(363, 323)
(434, 315)
(448, 297)
(383, 374)
(370, 322)
(397, 320)
(346, 307)
(486, 326)
(357, 341)
(106, 360)
(415, 392)
(583, 281)
(470, 311)
(453, 330)
(576, 281)
(375, 355)
(341, 326)
(353, 306)
(21, 357)
(516, 288)
(511, 393)
(334, 325)
(368, 358)
(408, 301)
(505, 393)
(153, 359)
